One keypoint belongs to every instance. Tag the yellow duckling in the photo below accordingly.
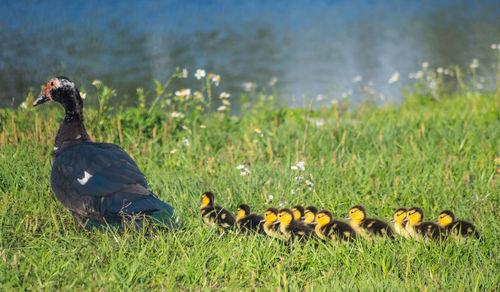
(298, 213)
(368, 227)
(291, 228)
(248, 222)
(330, 229)
(418, 229)
(400, 223)
(456, 228)
(271, 223)
(310, 216)
(212, 214)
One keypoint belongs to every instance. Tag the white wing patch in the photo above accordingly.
(85, 179)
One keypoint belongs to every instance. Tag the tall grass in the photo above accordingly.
(434, 154)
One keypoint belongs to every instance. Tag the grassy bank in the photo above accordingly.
(435, 155)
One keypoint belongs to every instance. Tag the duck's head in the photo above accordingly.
(414, 215)
(445, 218)
(310, 215)
(243, 211)
(63, 91)
(207, 199)
(298, 212)
(271, 215)
(324, 217)
(399, 215)
(286, 216)
(357, 213)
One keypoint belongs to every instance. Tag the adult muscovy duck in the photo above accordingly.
(97, 182)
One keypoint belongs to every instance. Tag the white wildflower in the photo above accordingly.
(226, 102)
(474, 64)
(84, 95)
(248, 86)
(183, 93)
(258, 131)
(24, 104)
(202, 126)
(96, 82)
(224, 95)
(221, 108)
(493, 46)
(240, 167)
(216, 80)
(294, 167)
(186, 142)
(357, 78)
(394, 78)
(177, 115)
(200, 73)
(273, 81)
(184, 73)
(270, 197)
(425, 65)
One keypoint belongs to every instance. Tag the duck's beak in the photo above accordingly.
(41, 100)
(263, 220)
(276, 222)
(348, 217)
(406, 219)
(392, 220)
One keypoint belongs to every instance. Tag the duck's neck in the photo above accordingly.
(72, 128)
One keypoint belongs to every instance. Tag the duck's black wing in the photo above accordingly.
(101, 182)
(252, 222)
(378, 227)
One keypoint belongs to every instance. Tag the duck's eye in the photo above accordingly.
(51, 83)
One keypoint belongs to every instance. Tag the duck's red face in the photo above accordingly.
(53, 83)
(50, 88)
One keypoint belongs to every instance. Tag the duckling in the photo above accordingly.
(310, 216)
(271, 224)
(330, 229)
(248, 222)
(368, 227)
(421, 230)
(298, 213)
(292, 228)
(212, 214)
(400, 223)
(456, 228)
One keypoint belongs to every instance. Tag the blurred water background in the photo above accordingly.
(309, 48)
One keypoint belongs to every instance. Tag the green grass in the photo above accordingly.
(436, 155)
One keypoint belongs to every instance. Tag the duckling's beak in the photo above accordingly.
(348, 217)
(392, 220)
(437, 222)
(263, 220)
(314, 222)
(41, 100)
(406, 219)
(303, 217)
(276, 222)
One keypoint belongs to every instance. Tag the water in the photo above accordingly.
(310, 48)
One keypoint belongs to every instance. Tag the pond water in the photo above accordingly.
(310, 48)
